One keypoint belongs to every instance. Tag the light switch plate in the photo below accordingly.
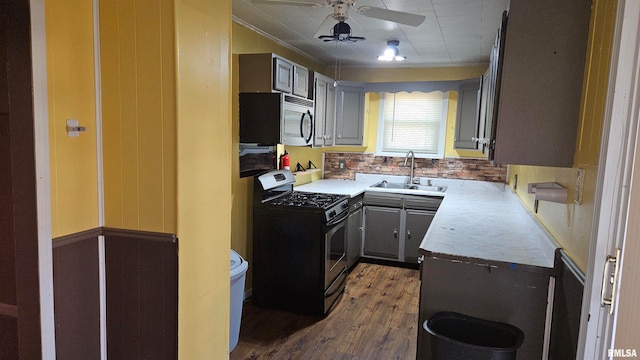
(577, 196)
(72, 124)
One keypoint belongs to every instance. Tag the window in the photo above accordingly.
(412, 121)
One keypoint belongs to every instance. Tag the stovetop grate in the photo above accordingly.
(304, 199)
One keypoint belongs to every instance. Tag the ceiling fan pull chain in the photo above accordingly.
(336, 72)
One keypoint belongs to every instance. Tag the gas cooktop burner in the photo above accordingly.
(303, 199)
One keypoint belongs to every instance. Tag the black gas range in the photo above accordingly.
(299, 242)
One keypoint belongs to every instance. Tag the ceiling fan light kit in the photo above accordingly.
(341, 32)
(391, 52)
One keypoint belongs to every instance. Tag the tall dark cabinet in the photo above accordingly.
(540, 79)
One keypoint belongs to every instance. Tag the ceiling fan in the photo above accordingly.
(341, 14)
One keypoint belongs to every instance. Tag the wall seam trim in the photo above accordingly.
(43, 177)
(100, 178)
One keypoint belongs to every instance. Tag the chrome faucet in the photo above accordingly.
(406, 157)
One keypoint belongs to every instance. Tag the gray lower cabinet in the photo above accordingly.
(382, 229)
(417, 223)
(395, 225)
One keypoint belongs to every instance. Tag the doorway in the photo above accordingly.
(20, 324)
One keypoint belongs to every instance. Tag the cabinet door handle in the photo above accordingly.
(409, 234)
(395, 233)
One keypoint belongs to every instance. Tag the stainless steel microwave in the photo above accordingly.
(276, 118)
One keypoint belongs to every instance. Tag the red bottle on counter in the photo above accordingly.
(284, 161)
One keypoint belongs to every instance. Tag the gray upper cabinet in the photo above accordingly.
(269, 72)
(300, 81)
(541, 82)
(282, 75)
(349, 114)
(325, 109)
(468, 115)
(484, 126)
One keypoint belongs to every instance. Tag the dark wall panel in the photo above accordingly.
(77, 298)
(567, 305)
(142, 301)
(514, 294)
(16, 104)
(7, 246)
(8, 338)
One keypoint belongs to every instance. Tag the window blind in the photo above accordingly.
(411, 121)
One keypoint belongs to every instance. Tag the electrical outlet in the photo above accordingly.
(577, 196)
(341, 164)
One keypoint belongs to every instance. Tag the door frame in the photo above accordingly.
(43, 173)
(617, 153)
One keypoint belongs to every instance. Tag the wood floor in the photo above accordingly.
(377, 318)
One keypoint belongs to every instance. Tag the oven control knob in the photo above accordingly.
(345, 205)
(332, 213)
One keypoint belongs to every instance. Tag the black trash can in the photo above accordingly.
(454, 336)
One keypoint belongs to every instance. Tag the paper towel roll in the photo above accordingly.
(558, 195)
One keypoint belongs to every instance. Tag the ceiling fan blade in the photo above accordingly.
(392, 15)
(291, 2)
(326, 26)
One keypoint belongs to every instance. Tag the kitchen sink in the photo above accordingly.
(402, 186)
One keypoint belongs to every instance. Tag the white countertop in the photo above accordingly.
(486, 220)
(335, 186)
(477, 219)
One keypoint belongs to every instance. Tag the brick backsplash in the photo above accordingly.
(451, 168)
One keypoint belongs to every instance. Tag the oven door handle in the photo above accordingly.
(344, 216)
(343, 274)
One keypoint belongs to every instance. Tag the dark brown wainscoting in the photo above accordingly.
(142, 295)
(567, 304)
(76, 297)
(141, 270)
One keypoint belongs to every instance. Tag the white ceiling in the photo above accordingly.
(455, 32)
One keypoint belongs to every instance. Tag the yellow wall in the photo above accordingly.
(74, 185)
(139, 119)
(571, 224)
(203, 40)
(241, 189)
(145, 160)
